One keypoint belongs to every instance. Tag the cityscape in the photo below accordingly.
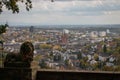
(69, 47)
(60, 40)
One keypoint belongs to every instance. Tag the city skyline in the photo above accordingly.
(65, 12)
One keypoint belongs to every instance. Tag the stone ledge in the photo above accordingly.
(76, 75)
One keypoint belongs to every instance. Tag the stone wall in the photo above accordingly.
(15, 74)
(75, 75)
(25, 74)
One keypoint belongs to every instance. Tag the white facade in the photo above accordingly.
(102, 33)
(94, 34)
(65, 31)
(108, 31)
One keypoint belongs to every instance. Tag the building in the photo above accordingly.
(102, 33)
(94, 34)
(64, 36)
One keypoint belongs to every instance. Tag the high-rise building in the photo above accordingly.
(31, 29)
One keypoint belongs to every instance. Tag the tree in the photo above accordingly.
(96, 57)
(104, 48)
(83, 64)
(3, 28)
(57, 47)
(45, 46)
(42, 64)
(68, 64)
(79, 55)
(108, 68)
(57, 57)
(13, 5)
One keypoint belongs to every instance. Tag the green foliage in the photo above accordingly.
(3, 28)
(95, 66)
(85, 59)
(117, 62)
(45, 46)
(108, 68)
(43, 64)
(96, 57)
(13, 5)
(116, 52)
(37, 57)
(104, 48)
(118, 45)
(117, 68)
(57, 47)
(57, 57)
(83, 63)
(79, 56)
(67, 62)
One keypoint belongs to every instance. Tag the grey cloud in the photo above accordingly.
(103, 7)
(99, 9)
(80, 11)
(86, 8)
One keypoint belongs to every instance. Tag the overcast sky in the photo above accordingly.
(62, 12)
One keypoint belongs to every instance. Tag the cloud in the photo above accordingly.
(66, 11)
(76, 6)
